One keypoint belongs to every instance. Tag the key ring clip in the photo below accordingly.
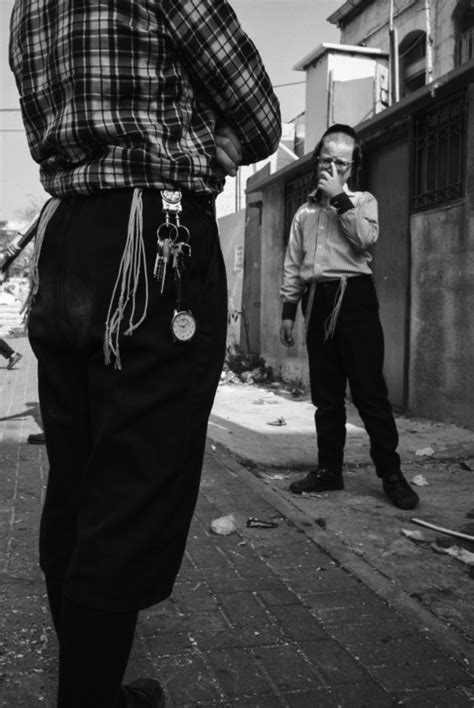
(180, 227)
(167, 225)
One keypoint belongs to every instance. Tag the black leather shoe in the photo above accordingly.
(399, 491)
(144, 693)
(36, 439)
(319, 480)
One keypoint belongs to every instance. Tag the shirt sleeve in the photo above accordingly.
(360, 224)
(293, 285)
(224, 60)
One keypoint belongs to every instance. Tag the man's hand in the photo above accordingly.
(286, 333)
(228, 151)
(331, 183)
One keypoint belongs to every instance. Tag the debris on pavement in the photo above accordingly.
(441, 529)
(253, 523)
(419, 480)
(424, 452)
(413, 535)
(278, 421)
(321, 522)
(457, 552)
(224, 525)
(277, 475)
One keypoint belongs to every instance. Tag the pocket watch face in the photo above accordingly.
(183, 326)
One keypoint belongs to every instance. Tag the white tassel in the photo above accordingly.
(309, 304)
(330, 324)
(128, 278)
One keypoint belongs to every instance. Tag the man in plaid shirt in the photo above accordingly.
(122, 100)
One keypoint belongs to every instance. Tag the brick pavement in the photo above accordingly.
(261, 618)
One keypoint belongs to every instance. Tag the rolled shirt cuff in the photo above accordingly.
(289, 310)
(341, 202)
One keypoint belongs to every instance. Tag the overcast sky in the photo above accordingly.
(284, 31)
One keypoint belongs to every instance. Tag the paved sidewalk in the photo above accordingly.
(260, 618)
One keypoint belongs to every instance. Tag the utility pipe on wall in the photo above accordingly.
(429, 43)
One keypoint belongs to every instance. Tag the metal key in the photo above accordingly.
(161, 263)
(158, 267)
(181, 252)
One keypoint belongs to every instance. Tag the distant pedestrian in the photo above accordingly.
(5, 349)
(327, 269)
(8, 353)
(136, 112)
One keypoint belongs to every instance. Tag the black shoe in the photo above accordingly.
(36, 439)
(399, 491)
(144, 693)
(319, 480)
(14, 359)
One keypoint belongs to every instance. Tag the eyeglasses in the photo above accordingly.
(328, 161)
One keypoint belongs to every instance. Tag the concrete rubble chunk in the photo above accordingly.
(224, 525)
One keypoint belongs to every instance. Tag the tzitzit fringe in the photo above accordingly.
(43, 221)
(125, 289)
(330, 324)
(309, 304)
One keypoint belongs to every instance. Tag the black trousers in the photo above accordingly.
(5, 349)
(354, 354)
(125, 447)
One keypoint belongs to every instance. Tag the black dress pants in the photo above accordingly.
(354, 354)
(125, 447)
(5, 349)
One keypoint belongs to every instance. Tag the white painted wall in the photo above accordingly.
(340, 88)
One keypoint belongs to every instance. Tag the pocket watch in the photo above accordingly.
(183, 326)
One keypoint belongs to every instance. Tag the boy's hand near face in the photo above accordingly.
(331, 182)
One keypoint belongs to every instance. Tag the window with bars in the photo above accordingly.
(464, 47)
(463, 16)
(412, 56)
(438, 154)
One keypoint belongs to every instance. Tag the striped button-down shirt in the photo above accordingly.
(127, 94)
(324, 245)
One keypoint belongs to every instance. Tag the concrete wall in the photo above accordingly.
(272, 237)
(264, 254)
(250, 319)
(442, 320)
(371, 26)
(231, 236)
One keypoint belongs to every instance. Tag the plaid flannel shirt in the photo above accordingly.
(118, 94)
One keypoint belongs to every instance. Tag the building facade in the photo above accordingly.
(419, 163)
